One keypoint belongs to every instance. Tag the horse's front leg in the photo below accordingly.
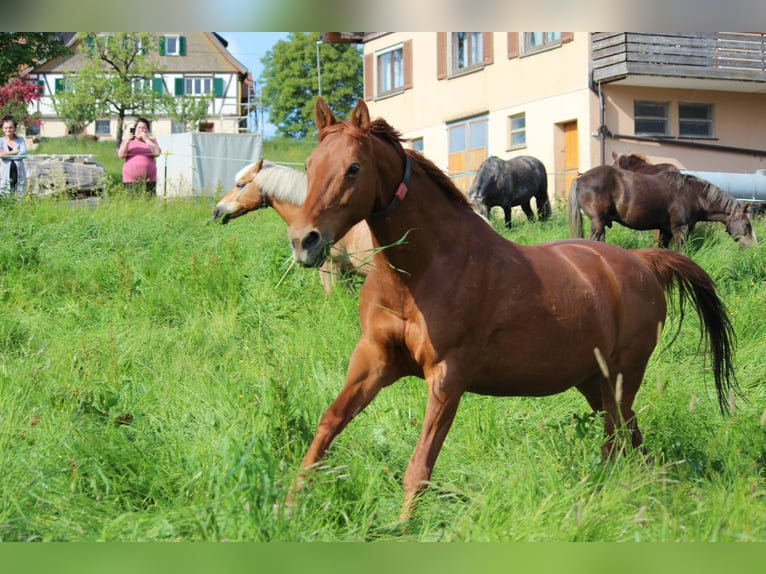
(370, 369)
(597, 227)
(443, 400)
(507, 210)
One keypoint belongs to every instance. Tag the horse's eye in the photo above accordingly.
(241, 185)
(353, 170)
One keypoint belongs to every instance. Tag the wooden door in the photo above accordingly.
(571, 154)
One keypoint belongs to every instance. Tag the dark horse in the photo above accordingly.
(670, 201)
(453, 302)
(506, 183)
(639, 163)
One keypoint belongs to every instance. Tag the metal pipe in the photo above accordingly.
(743, 186)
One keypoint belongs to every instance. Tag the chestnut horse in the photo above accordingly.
(670, 201)
(455, 303)
(264, 184)
(639, 163)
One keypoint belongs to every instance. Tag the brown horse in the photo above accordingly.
(670, 201)
(264, 184)
(639, 163)
(453, 302)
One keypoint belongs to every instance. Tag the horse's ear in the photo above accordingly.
(614, 155)
(259, 165)
(360, 117)
(323, 116)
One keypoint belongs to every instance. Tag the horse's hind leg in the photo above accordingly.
(597, 227)
(617, 400)
(526, 207)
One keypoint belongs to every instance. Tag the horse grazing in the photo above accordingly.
(639, 163)
(506, 183)
(453, 302)
(670, 201)
(264, 184)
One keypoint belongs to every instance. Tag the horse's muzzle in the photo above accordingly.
(310, 249)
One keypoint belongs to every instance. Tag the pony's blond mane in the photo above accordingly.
(279, 182)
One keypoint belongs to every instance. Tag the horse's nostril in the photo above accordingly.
(310, 241)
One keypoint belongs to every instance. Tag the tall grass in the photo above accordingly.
(161, 378)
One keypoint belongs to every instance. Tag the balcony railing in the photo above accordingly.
(737, 56)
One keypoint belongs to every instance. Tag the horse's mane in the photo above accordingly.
(281, 183)
(384, 131)
(714, 194)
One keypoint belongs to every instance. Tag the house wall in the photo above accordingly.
(739, 122)
(550, 87)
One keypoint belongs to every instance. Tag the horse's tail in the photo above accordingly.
(675, 272)
(574, 215)
(542, 202)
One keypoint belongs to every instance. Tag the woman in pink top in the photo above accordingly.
(139, 172)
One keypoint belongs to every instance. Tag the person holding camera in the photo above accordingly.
(13, 150)
(139, 172)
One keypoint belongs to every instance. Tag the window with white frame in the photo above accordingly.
(171, 45)
(517, 131)
(140, 85)
(695, 120)
(390, 67)
(466, 50)
(198, 86)
(651, 118)
(539, 41)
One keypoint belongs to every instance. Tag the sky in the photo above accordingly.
(249, 48)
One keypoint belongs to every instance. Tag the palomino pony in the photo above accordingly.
(639, 163)
(264, 184)
(453, 302)
(506, 183)
(670, 201)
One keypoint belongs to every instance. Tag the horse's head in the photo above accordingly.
(244, 195)
(343, 183)
(740, 227)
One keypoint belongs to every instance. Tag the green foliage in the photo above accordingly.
(19, 50)
(291, 83)
(161, 378)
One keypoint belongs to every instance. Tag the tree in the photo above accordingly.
(19, 50)
(15, 98)
(187, 111)
(117, 78)
(291, 83)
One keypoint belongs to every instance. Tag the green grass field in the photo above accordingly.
(161, 378)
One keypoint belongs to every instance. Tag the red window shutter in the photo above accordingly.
(407, 54)
(513, 45)
(441, 55)
(489, 56)
(567, 37)
(369, 85)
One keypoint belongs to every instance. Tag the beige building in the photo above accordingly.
(571, 98)
(191, 63)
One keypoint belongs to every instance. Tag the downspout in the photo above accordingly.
(602, 126)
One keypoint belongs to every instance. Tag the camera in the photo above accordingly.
(132, 131)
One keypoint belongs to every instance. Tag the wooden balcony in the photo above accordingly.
(724, 60)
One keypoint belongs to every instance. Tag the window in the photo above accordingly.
(103, 128)
(178, 127)
(517, 131)
(172, 45)
(198, 86)
(391, 70)
(140, 85)
(467, 150)
(651, 118)
(466, 51)
(539, 41)
(417, 144)
(695, 120)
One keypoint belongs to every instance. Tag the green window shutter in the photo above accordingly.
(60, 85)
(157, 86)
(180, 84)
(218, 87)
(182, 45)
(162, 45)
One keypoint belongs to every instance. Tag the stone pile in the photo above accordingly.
(74, 174)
